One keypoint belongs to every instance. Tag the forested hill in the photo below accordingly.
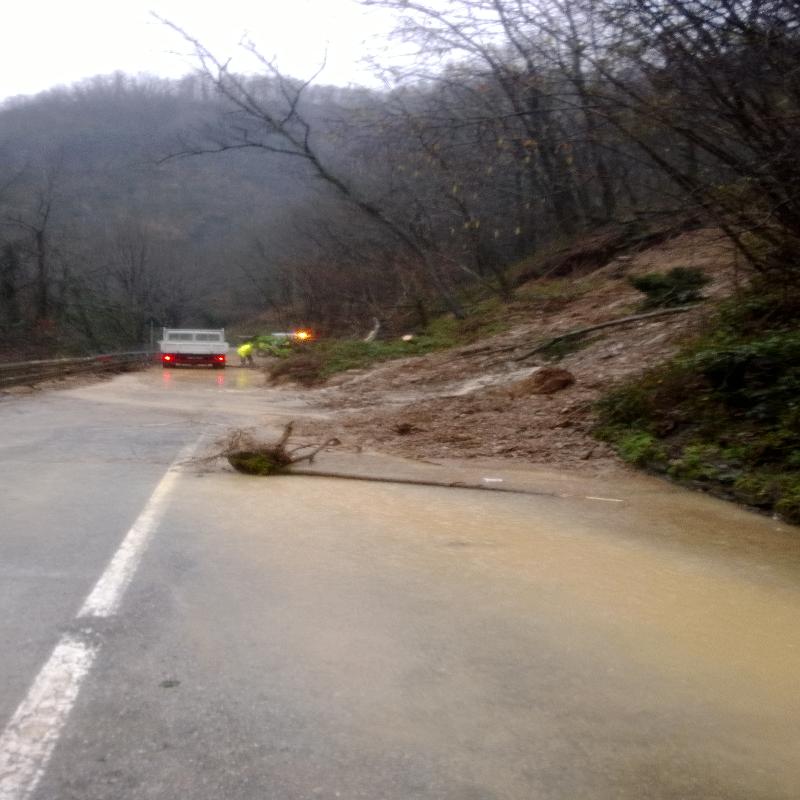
(515, 129)
(128, 233)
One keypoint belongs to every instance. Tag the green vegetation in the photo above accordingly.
(640, 448)
(677, 287)
(278, 346)
(313, 362)
(724, 414)
(258, 463)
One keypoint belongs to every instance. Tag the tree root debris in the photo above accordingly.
(248, 454)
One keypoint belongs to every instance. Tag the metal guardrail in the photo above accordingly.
(30, 372)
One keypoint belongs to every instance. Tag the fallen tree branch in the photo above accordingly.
(287, 432)
(310, 456)
(246, 453)
(609, 324)
(307, 473)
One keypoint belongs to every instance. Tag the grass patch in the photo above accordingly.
(313, 363)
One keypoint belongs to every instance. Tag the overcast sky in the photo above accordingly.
(48, 43)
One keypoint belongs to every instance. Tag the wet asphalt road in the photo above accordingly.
(314, 638)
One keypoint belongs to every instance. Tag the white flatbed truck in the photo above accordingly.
(193, 346)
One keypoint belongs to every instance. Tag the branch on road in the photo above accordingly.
(248, 454)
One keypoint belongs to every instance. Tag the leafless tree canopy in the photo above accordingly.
(519, 124)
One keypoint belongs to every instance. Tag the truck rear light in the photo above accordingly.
(166, 357)
(220, 358)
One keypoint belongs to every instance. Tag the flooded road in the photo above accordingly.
(216, 394)
(304, 637)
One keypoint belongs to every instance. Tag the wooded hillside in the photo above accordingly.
(126, 203)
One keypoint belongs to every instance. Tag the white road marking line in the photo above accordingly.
(105, 597)
(604, 499)
(29, 739)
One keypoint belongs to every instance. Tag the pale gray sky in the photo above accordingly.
(46, 43)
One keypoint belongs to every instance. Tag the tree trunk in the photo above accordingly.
(42, 276)
(9, 272)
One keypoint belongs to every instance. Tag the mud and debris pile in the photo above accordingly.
(488, 400)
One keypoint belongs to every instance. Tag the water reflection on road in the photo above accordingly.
(186, 377)
(233, 393)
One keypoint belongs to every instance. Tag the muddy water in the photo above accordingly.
(701, 592)
(550, 646)
(690, 604)
(237, 395)
(732, 617)
(628, 617)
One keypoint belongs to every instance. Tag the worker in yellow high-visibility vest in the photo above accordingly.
(245, 352)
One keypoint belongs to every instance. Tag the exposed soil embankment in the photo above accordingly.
(480, 400)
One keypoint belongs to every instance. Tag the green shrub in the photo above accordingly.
(760, 375)
(629, 404)
(659, 400)
(278, 346)
(640, 448)
(725, 411)
(677, 287)
(697, 462)
(760, 309)
(789, 504)
(771, 490)
(756, 489)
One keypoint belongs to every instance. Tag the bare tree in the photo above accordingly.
(36, 223)
(720, 82)
(501, 57)
(10, 267)
(268, 115)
